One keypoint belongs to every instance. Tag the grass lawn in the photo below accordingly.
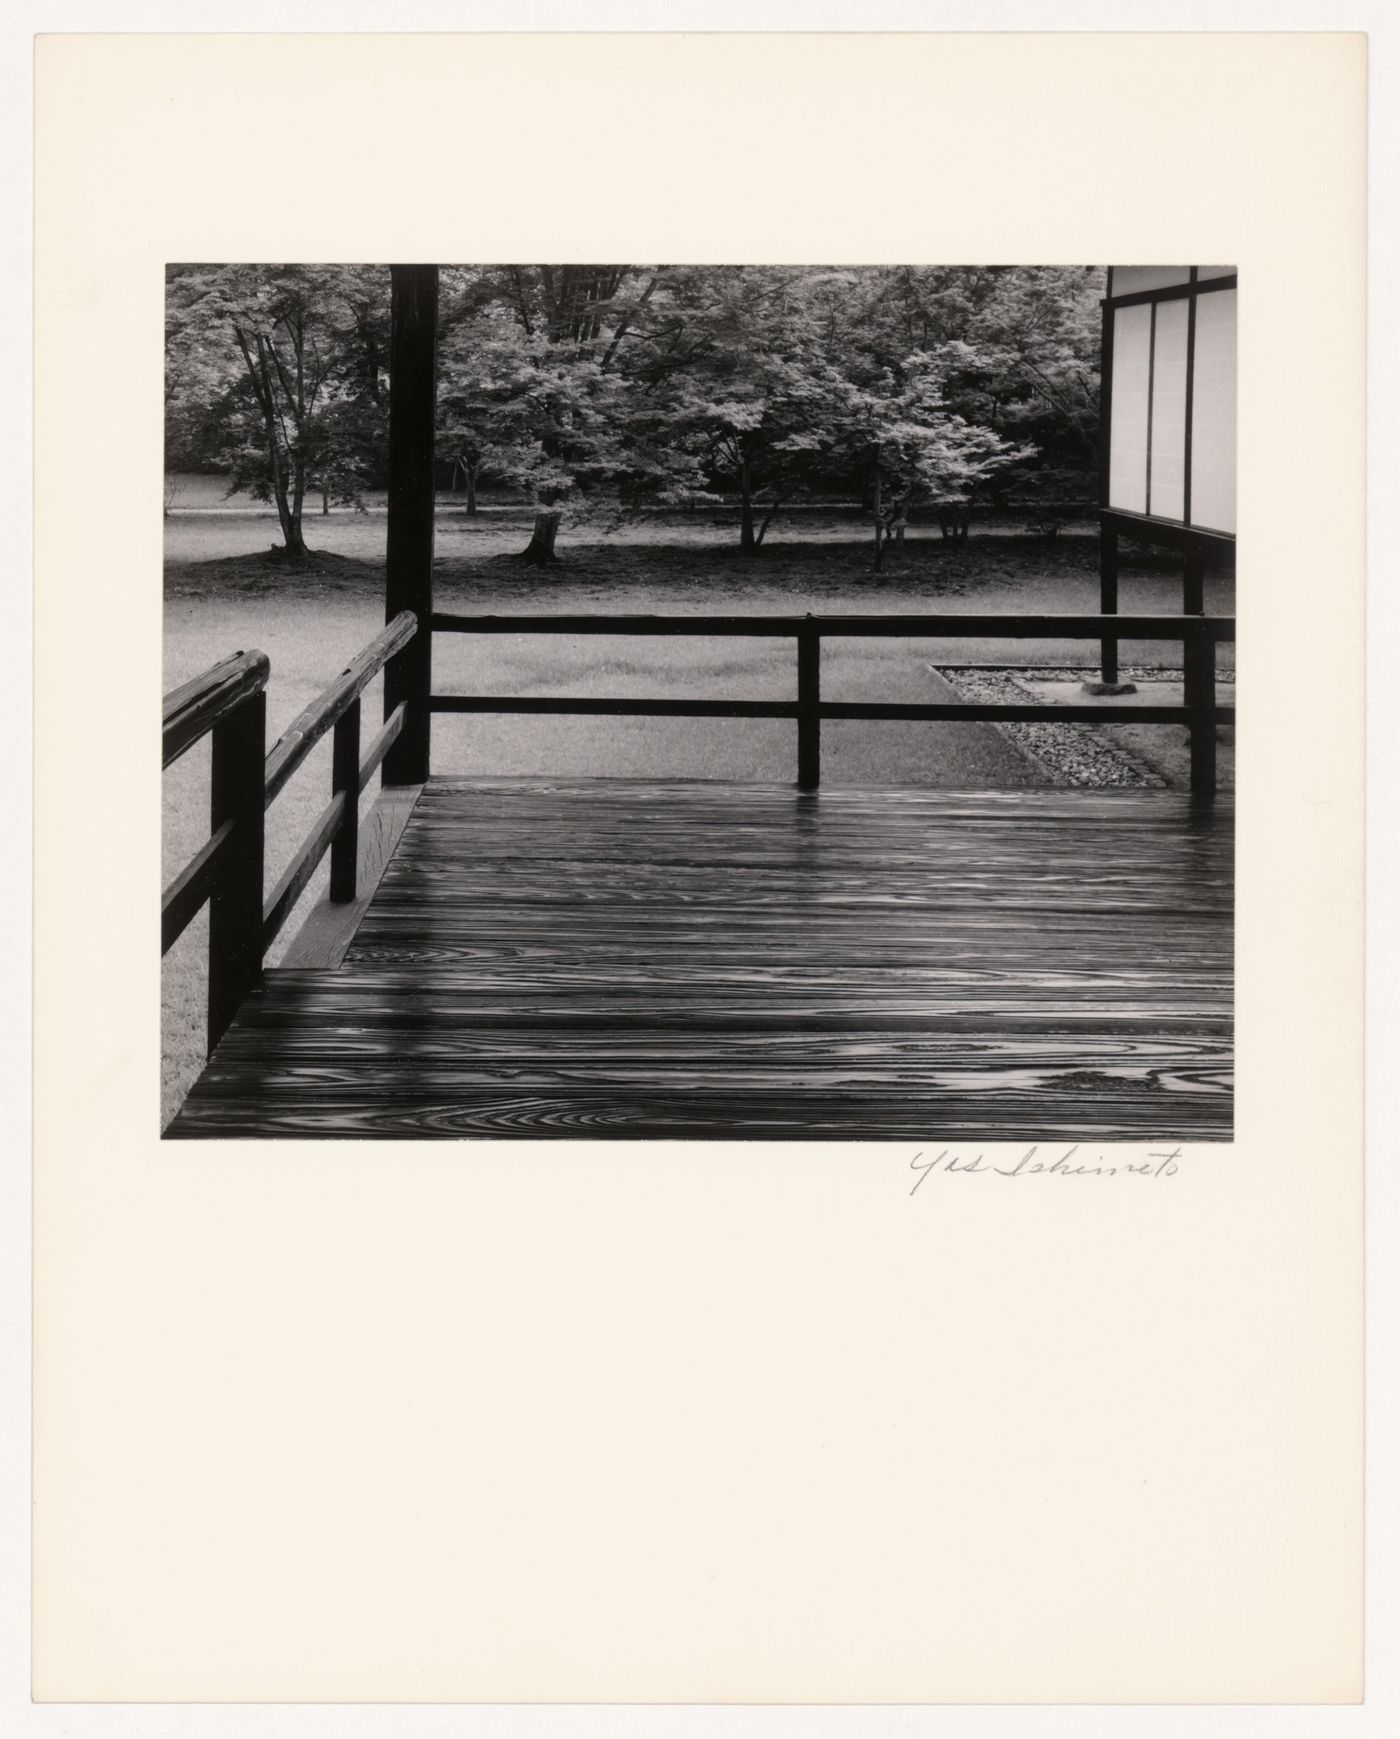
(224, 592)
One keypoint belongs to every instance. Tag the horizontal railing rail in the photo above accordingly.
(228, 871)
(336, 828)
(1198, 636)
(946, 625)
(191, 711)
(310, 725)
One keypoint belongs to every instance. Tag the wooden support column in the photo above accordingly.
(809, 723)
(1108, 539)
(345, 777)
(236, 904)
(1198, 658)
(1108, 601)
(409, 581)
(1193, 591)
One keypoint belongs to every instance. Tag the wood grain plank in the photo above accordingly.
(1041, 1116)
(687, 959)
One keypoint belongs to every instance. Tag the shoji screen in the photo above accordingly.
(1172, 395)
(1213, 418)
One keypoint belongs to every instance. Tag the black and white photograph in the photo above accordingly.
(773, 1051)
(736, 701)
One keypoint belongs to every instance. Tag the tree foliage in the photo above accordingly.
(277, 374)
(780, 379)
(614, 386)
(1021, 345)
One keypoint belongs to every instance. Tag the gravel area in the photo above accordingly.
(1127, 673)
(1069, 754)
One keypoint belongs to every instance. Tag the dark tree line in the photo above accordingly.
(612, 387)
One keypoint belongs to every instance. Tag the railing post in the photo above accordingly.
(345, 776)
(236, 905)
(1193, 591)
(1108, 601)
(809, 723)
(1198, 663)
(408, 677)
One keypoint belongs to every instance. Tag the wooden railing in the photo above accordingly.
(1198, 636)
(231, 701)
(337, 826)
(228, 870)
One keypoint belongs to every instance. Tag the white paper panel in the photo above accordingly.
(1128, 280)
(1213, 412)
(1127, 460)
(1166, 494)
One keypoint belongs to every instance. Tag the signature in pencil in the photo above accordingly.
(1036, 1161)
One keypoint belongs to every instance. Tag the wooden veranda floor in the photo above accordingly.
(618, 958)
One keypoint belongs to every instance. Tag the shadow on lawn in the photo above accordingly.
(835, 571)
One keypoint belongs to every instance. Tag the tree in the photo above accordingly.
(464, 398)
(738, 383)
(592, 386)
(533, 390)
(532, 411)
(776, 378)
(279, 366)
(914, 449)
(1020, 347)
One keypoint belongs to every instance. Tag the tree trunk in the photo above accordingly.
(746, 537)
(289, 513)
(279, 489)
(325, 502)
(876, 506)
(540, 550)
(778, 501)
(296, 544)
(292, 542)
(464, 471)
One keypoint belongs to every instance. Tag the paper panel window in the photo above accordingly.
(1132, 367)
(1171, 398)
(1213, 418)
(1166, 475)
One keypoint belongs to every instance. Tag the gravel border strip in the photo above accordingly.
(1077, 672)
(1070, 755)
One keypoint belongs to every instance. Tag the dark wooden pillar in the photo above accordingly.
(409, 582)
(236, 905)
(809, 694)
(1193, 590)
(1108, 601)
(1108, 539)
(1198, 657)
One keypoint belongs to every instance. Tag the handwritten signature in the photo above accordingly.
(1031, 1164)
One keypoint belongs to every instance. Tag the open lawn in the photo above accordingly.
(224, 592)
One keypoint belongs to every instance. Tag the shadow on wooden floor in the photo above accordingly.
(629, 959)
